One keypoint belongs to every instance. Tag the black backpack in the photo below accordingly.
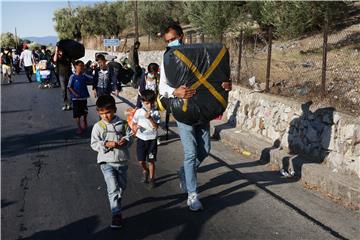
(6, 59)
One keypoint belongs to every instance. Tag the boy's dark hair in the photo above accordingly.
(153, 67)
(105, 102)
(176, 27)
(88, 64)
(100, 57)
(148, 96)
(78, 62)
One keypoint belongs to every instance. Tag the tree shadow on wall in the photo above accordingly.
(309, 139)
(231, 123)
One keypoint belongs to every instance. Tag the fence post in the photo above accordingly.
(268, 67)
(190, 36)
(202, 38)
(239, 57)
(324, 57)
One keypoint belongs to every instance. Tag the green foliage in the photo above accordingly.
(153, 16)
(212, 18)
(103, 19)
(292, 19)
(7, 40)
(67, 25)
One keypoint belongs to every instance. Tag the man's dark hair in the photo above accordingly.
(148, 96)
(100, 57)
(78, 62)
(105, 102)
(153, 67)
(43, 47)
(176, 27)
(137, 43)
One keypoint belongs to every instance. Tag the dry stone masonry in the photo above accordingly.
(322, 134)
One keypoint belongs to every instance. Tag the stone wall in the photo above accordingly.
(321, 134)
(145, 58)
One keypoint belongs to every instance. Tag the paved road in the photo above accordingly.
(53, 189)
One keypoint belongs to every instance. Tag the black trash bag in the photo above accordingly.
(206, 104)
(125, 75)
(73, 50)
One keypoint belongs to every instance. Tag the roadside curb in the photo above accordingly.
(338, 187)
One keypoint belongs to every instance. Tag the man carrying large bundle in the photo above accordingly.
(196, 89)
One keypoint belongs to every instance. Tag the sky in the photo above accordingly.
(33, 18)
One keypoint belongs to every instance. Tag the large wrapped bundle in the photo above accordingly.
(42, 65)
(203, 67)
(71, 49)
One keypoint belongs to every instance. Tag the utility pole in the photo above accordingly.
(136, 20)
(16, 40)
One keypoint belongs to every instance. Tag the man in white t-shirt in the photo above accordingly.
(27, 60)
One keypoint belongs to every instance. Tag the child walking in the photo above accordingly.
(79, 94)
(149, 82)
(105, 80)
(110, 137)
(145, 124)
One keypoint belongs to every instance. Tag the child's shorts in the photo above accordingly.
(146, 150)
(79, 108)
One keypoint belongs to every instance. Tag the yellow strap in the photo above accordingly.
(185, 105)
(212, 67)
(201, 78)
(159, 104)
(102, 124)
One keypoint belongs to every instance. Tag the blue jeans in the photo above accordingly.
(115, 176)
(196, 145)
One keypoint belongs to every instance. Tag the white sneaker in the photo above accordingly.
(284, 173)
(292, 172)
(194, 203)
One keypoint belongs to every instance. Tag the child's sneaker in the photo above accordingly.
(84, 126)
(117, 221)
(182, 181)
(194, 203)
(152, 183)
(79, 131)
(145, 176)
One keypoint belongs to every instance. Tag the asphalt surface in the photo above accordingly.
(52, 187)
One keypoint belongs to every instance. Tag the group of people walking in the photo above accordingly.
(111, 137)
(13, 60)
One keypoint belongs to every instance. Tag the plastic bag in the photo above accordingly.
(71, 49)
(203, 67)
(130, 112)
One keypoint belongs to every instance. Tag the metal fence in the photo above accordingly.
(323, 66)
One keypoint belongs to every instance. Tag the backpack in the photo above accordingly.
(104, 127)
(6, 59)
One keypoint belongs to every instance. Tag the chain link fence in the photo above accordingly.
(300, 68)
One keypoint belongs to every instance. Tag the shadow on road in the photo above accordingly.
(46, 140)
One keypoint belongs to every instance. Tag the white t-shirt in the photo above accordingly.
(146, 130)
(27, 56)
